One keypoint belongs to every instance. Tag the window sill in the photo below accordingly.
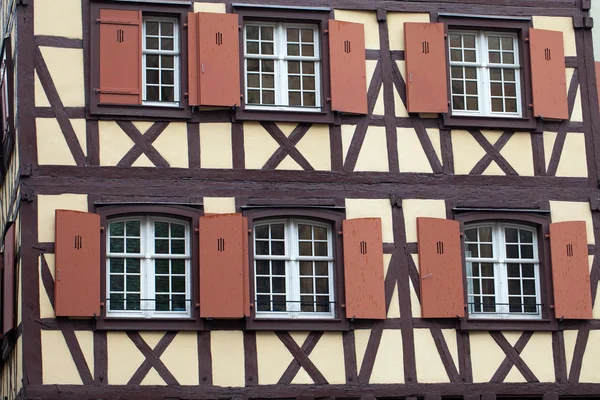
(153, 324)
(151, 112)
(463, 121)
(482, 324)
(318, 117)
(264, 324)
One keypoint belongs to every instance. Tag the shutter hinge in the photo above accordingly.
(340, 233)
(101, 304)
(27, 194)
(185, 26)
(26, 170)
(196, 230)
(326, 31)
(101, 229)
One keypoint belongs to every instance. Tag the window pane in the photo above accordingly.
(470, 56)
(178, 303)
(152, 43)
(509, 75)
(161, 283)
(321, 268)
(308, 67)
(322, 285)
(456, 72)
(295, 99)
(132, 301)
(263, 303)
(511, 105)
(278, 285)
(133, 283)
(515, 304)
(161, 246)
(511, 235)
(161, 266)
(530, 305)
(268, 81)
(496, 89)
(529, 287)
(152, 93)
(262, 267)
(470, 73)
(151, 28)
(278, 267)
(177, 246)
(486, 251)
(178, 267)
(261, 231)
(133, 265)
(473, 249)
(161, 229)
(320, 233)
(472, 104)
(279, 303)
(178, 284)
(489, 304)
(252, 47)
(455, 55)
(166, 28)
(252, 32)
(293, 50)
(487, 269)
(152, 76)
(322, 304)
(166, 44)
(321, 249)
(512, 251)
(508, 58)
(293, 35)
(306, 249)
(514, 287)
(177, 231)
(526, 251)
(306, 285)
(307, 303)
(252, 65)
(263, 285)
(497, 105)
(469, 41)
(162, 302)
(513, 270)
(471, 87)
(309, 99)
(133, 245)
(167, 61)
(266, 48)
(268, 65)
(277, 248)
(266, 33)
(167, 77)
(494, 57)
(304, 232)
(167, 94)
(528, 270)
(494, 43)
(294, 82)
(268, 97)
(117, 228)
(151, 61)
(117, 283)
(458, 87)
(308, 50)
(507, 43)
(117, 245)
(261, 248)
(308, 83)
(306, 268)
(495, 74)
(116, 301)
(293, 67)
(510, 89)
(117, 265)
(487, 286)
(458, 102)
(455, 40)
(307, 35)
(471, 235)
(253, 97)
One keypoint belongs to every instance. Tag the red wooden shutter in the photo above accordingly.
(77, 276)
(548, 74)
(570, 270)
(223, 262)
(425, 54)
(214, 59)
(363, 268)
(8, 298)
(348, 74)
(440, 267)
(120, 56)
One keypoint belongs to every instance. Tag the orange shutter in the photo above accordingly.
(8, 298)
(570, 270)
(425, 54)
(223, 266)
(77, 276)
(440, 267)
(348, 74)
(363, 268)
(120, 56)
(548, 74)
(214, 59)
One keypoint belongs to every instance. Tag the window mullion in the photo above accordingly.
(282, 78)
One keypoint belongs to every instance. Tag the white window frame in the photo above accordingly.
(147, 271)
(483, 67)
(176, 59)
(292, 270)
(281, 73)
(501, 272)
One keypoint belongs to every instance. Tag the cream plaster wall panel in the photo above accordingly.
(272, 356)
(288, 163)
(259, 146)
(373, 208)
(414, 208)
(415, 304)
(302, 378)
(549, 140)
(361, 339)
(52, 148)
(389, 362)
(434, 136)
(66, 69)
(394, 310)
(486, 356)
(142, 126)
(153, 378)
(113, 143)
(491, 136)
(80, 128)
(347, 134)
(512, 337)
(219, 205)
(411, 156)
(41, 100)
(181, 358)
(215, 145)
(450, 337)
(210, 7)
(577, 114)
(590, 366)
(173, 146)
(286, 127)
(315, 147)
(86, 342)
(46, 309)
(515, 376)
(368, 19)
(152, 338)
(328, 357)
(538, 356)
(570, 340)
(379, 108)
(596, 309)
(48, 204)
(370, 66)
(430, 368)
(395, 22)
(467, 152)
(142, 161)
(299, 337)
(373, 155)
(517, 151)
(564, 24)
(58, 366)
(124, 358)
(573, 160)
(227, 349)
(47, 12)
(386, 263)
(573, 211)
(493, 169)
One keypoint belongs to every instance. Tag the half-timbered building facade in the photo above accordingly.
(272, 199)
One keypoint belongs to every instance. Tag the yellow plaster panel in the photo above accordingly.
(299, 337)
(414, 208)
(591, 362)
(570, 340)
(517, 151)
(467, 152)
(573, 211)
(288, 163)
(577, 114)
(368, 19)
(46, 309)
(113, 143)
(573, 161)
(430, 368)
(57, 363)
(153, 378)
(549, 140)
(415, 304)
(302, 378)
(514, 376)
(450, 337)
(152, 338)
(512, 337)
(142, 126)
(538, 356)
(491, 136)
(370, 70)
(434, 136)
(181, 358)
(395, 22)
(219, 205)
(124, 358)
(411, 155)
(273, 358)
(596, 309)
(215, 146)
(314, 146)
(373, 155)
(389, 365)
(48, 204)
(361, 339)
(564, 24)
(86, 342)
(328, 357)
(227, 348)
(394, 310)
(258, 145)
(286, 127)
(379, 108)
(173, 146)
(486, 356)
(142, 161)
(493, 169)
(66, 69)
(399, 107)
(386, 263)
(48, 12)
(375, 208)
(52, 147)
(210, 7)
(41, 100)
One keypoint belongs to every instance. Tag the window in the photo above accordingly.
(148, 268)
(160, 49)
(502, 271)
(293, 269)
(282, 66)
(485, 73)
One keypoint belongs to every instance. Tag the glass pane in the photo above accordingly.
(152, 43)
(117, 245)
(322, 304)
(278, 267)
(497, 105)
(117, 283)
(261, 248)
(307, 35)
(306, 303)
(487, 286)
(515, 304)
(167, 77)
(470, 56)
(486, 251)
(507, 43)
(278, 285)
(261, 232)
(472, 248)
(476, 286)
(514, 286)
(162, 302)
(530, 305)
(513, 270)
(293, 35)
(268, 97)
(306, 268)
(321, 268)
(528, 270)
(293, 50)
(469, 41)
(166, 28)
(152, 93)
(458, 102)
(304, 232)
(458, 87)
(308, 67)
(320, 233)
(509, 75)
(161, 246)
(277, 248)
(116, 265)
(525, 236)
(177, 231)
(253, 97)
(485, 234)
(161, 229)
(306, 249)
(279, 303)
(117, 228)
(178, 303)
(456, 72)
(166, 44)
(252, 65)
(252, 32)
(309, 99)
(471, 73)
(308, 83)
(167, 94)
(511, 235)
(511, 105)
(133, 245)
(494, 57)
(161, 266)
(162, 283)
(495, 74)
(508, 58)
(322, 285)
(116, 301)
(321, 249)
(151, 61)
(489, 304)
(487, 269)
(471, 87)
(277, 231)
(455, 40)
(132, 302)
(472, 104)
(496, 89)
(266, 33)
(308, 50)
(268, 81)
(510, 89)
(294, 82)
(494, 43)
(263, 285)
(529, 287)
(178, 267)
(152, 76)
(263, 303)
(167, 61)
(294, 67)
(132, 228)
(252, 47)
(178, 284)
(512, 251)
(262, 267)
(151, 28)
(306, 285)
(133, 283)
(526, 251)
(133, 265)
(268, 65)
(295, 99)
(471, 235)
(266, 48)
(177, 246)
(455, 55)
